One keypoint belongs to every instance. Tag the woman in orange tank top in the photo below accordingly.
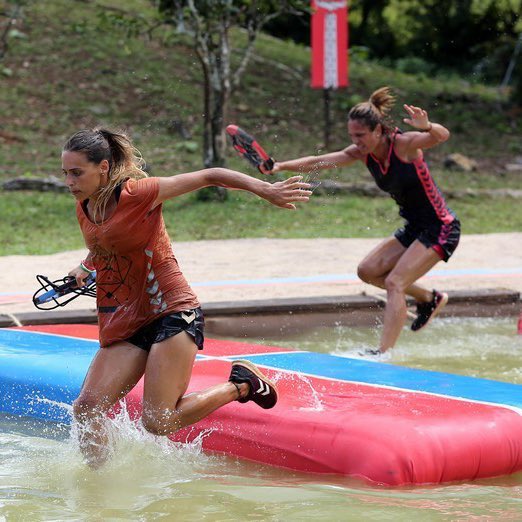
(149, 318)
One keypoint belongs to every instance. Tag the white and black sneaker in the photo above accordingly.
(262, 390)
(369, 352)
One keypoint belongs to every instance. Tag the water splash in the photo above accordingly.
(142, 470)
(127, 437)
(62, 405)
(313, 179)
(364, 352)
(315, 403)
(478, 347)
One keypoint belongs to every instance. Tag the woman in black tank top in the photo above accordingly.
(431, 231)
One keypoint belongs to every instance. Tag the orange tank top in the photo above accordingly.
(137, 276)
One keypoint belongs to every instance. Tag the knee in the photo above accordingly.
(86, 407)
(365, 272)
(151, 425)
(161, 423)
(392, 283)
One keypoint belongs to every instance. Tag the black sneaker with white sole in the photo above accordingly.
(427, 311)
(262, 390)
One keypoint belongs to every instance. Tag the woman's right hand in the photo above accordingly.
(275, 169)
(80, 275)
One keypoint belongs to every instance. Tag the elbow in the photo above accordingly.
(215, 176)
(439, 138)
(441, 134)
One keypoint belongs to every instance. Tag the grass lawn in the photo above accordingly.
(45, 223)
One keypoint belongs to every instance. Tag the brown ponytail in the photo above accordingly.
(375, 110)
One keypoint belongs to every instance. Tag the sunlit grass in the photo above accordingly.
(45, 223)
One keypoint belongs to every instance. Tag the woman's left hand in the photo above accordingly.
(418, 117)
(284, 193)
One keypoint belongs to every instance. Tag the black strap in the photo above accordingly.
(118, 189)
(117, 193)
(237, 388)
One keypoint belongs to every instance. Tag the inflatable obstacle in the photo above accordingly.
(387, 424)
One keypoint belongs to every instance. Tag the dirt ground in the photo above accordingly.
(246, 269)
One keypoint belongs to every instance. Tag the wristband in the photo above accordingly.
(87, 268)
(428, 129)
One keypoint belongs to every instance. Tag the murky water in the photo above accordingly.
(42, 476)
(477, 347)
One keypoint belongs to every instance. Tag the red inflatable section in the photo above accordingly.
(83, 331)
(383, 436)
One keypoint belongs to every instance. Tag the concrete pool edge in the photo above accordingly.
(251, 317)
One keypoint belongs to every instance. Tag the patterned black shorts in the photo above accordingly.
(190, 321)
(443, 238)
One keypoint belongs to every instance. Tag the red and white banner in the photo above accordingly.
(329, 44)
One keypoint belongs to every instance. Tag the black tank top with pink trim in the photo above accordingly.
(412, 187)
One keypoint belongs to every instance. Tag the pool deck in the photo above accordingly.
(250, 279)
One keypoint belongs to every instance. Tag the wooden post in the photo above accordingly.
(327, 117)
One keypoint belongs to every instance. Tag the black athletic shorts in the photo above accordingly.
(443, 238)
(190, 321)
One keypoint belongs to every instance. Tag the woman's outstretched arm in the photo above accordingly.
(331, 160)
(281, 194)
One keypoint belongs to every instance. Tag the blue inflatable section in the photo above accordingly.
(379, 374)
(38, 370)
(41, 374)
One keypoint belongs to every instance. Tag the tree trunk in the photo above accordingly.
(214, 128)
(216, 91)
(214, 138)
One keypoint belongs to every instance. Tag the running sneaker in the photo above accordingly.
(262, 391)
(369, 352)
(427, 311)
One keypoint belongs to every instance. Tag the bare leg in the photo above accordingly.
(379, 262)
(412, 265)
(112, 374)
(168, 372)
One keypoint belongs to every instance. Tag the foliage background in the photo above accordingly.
(73, 64)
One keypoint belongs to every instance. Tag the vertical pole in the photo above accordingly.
(512, 62)
(327, 117)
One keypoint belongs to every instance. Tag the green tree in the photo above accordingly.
(11, 15)
(457, 33)
(513, 72)
(370, 26)
(208, 23)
